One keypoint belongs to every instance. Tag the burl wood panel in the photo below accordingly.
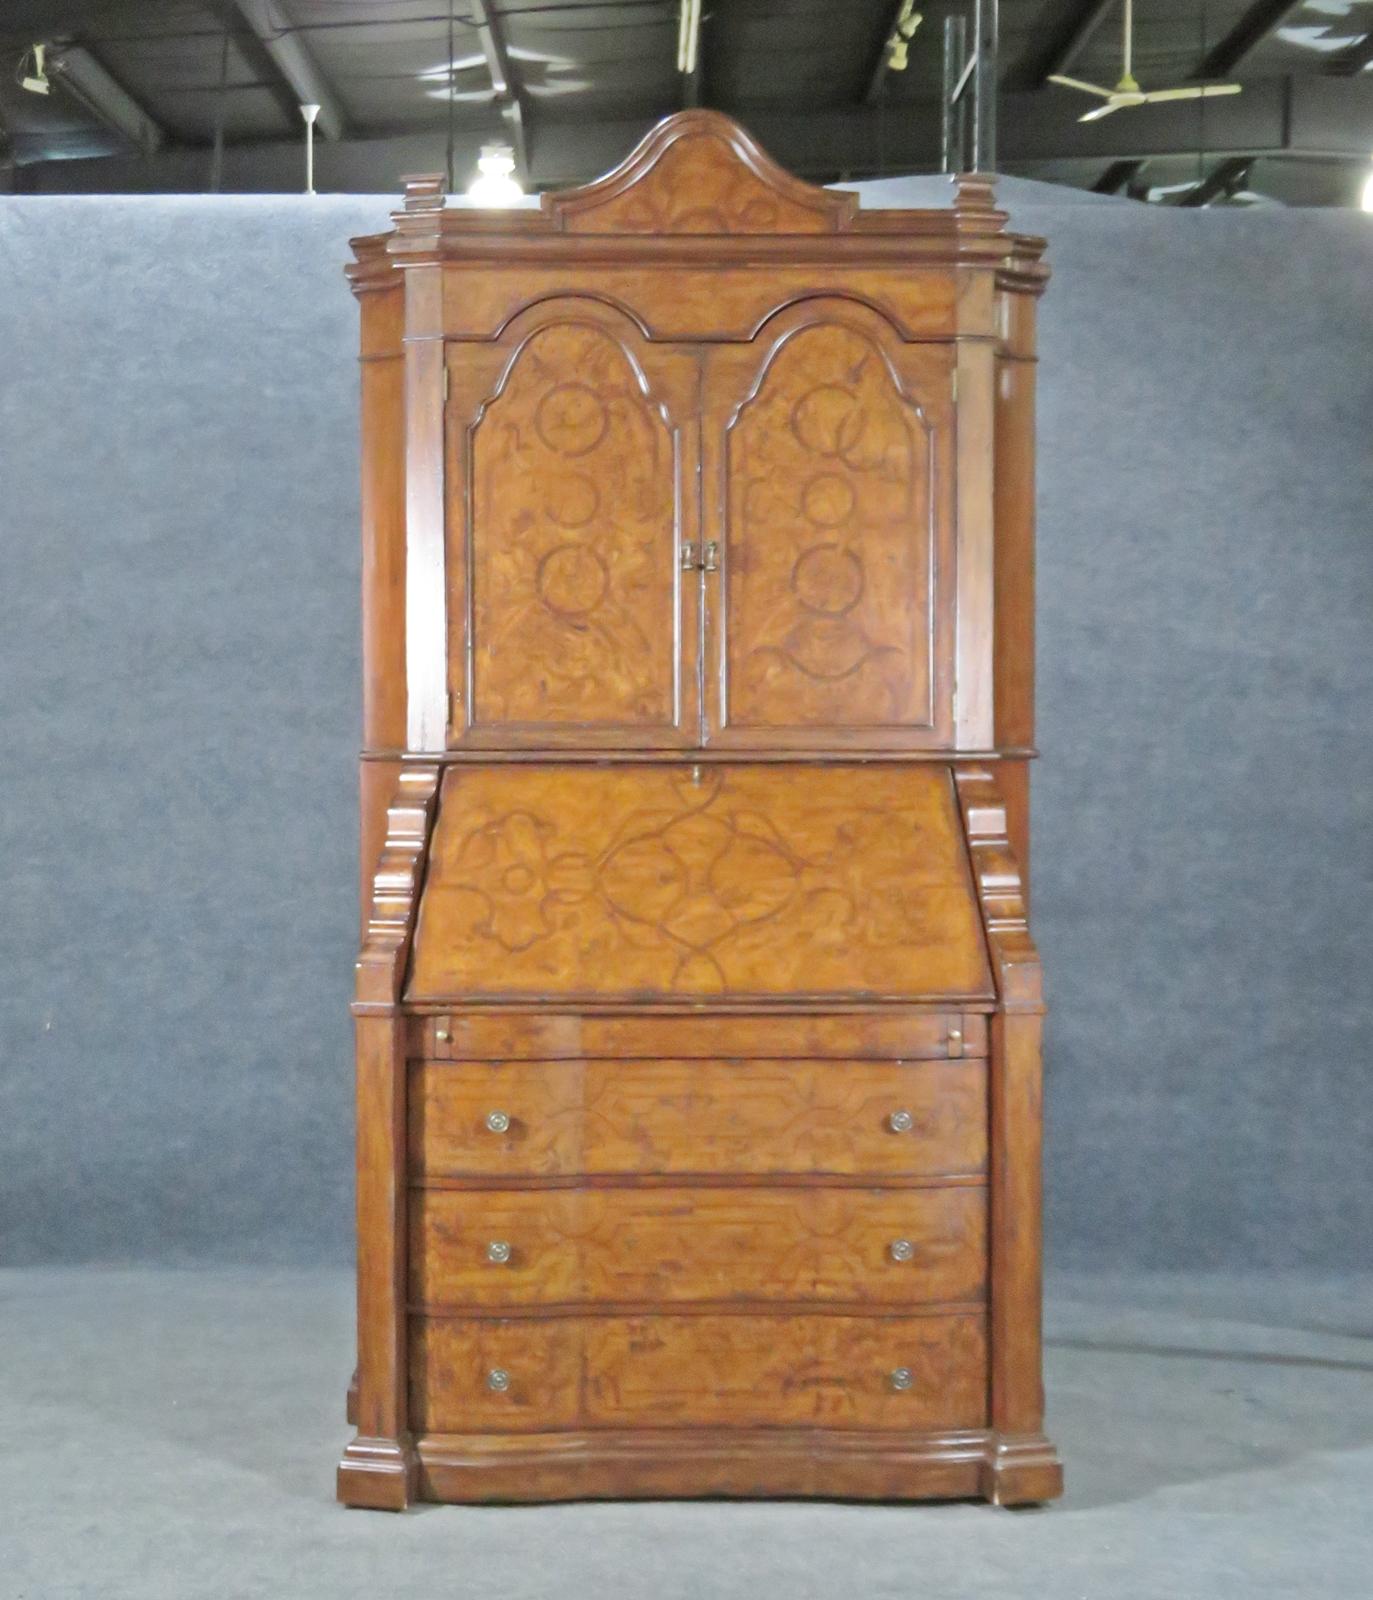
(707, 300)
(569, 490)
(705, 176)
(698, 1370)
(893, 1247)
(734, 882)
(836, 529)
(618, 1117)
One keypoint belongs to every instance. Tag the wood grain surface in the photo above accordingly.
(827, 454)
(710, 1370)
(895, 1247)
(740, 882)
(671, 1116)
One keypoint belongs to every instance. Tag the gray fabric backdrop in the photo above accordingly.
(178, 511)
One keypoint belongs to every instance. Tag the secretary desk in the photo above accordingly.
(697, 1016)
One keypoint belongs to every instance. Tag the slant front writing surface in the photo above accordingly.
(570, 440)
(828, 476)
(553, 882)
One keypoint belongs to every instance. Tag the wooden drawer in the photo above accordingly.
(546, 1118)
(557, 1246)
(561, 1036)
(707, 1371)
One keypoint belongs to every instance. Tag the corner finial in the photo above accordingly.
(975, 193)
(424, 191)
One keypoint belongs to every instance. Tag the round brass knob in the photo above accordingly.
(900, 1121)
(441, 1035)
(901, 1250)
(498, 1252)
(497, 1122)
(498, 1380)
(901, 1379)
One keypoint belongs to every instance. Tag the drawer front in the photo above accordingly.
(703, 1371)
(849, 1118)
(519, 1376)
(554, 1246)
(503, 1036)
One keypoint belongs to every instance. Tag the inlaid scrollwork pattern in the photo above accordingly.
(701, 173)
(698, 1243)
(573, 514)
(829, 536)
(635, 882)
(693, 1116)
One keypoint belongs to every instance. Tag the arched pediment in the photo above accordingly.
(699, 172)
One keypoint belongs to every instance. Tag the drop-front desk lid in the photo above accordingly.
(637, 883)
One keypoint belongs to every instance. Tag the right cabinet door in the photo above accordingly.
(828, 516)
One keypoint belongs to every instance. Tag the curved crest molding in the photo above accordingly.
(699, 172)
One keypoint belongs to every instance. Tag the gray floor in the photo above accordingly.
(173, 1434)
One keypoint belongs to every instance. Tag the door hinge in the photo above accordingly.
(446, 376)
(955, 385)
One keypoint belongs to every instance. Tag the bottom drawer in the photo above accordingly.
(529, 1375)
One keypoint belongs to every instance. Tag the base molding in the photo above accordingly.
(1020, 1469)
(653, 1464)
(378, 1474)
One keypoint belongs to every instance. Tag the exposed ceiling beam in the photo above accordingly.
(1071, 40)
(291, 57)
(1117, 176)
(78, 71)
(1221, 182)
(1247, 34)
(1316, 117)
(509, 96)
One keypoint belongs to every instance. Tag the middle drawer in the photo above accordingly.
(485, 1247)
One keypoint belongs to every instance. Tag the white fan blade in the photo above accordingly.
(1200, 91)
(1077, 83)
(1098, 112)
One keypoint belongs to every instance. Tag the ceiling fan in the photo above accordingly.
(1127, 92)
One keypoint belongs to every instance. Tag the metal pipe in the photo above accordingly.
(951, 122)
(984, 85)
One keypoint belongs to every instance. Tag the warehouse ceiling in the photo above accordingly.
(196, 95)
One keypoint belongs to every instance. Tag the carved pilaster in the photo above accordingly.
(1020, 1464)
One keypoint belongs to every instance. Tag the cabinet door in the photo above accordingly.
(828, 468)
(571, 620)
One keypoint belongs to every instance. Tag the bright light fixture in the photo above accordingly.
(1368, 192)
(494, 184)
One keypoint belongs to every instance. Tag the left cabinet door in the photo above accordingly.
(573, 619)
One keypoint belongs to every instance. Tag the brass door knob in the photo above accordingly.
(900, 1121)
(498, 1380)
(901, 1379)
(497, 1122)
(498, 1252)
(901, 1250)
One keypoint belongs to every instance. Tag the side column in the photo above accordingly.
(1021, 1465)
(379, 1465)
